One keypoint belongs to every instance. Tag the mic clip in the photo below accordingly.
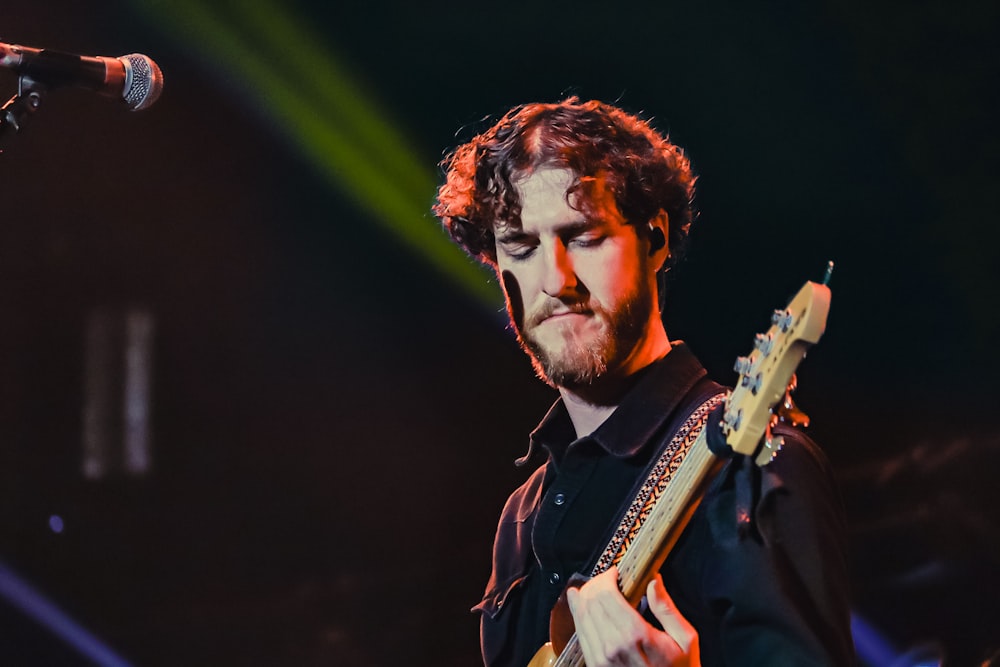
(20, 106)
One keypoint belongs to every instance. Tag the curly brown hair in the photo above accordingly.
(645, 172)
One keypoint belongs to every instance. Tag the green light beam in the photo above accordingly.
(329, 120)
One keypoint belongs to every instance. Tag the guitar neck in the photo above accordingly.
(667, 519)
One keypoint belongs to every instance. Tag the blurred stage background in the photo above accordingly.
(329, 400)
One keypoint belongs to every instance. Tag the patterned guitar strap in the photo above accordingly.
(656, 482)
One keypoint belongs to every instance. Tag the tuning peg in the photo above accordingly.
(763, 342)
(782, 319)
(752, 382)
(733, 421)
(742, 365)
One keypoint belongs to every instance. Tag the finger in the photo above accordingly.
(596, 630)
(627, 639)
(585, 627)
(609, 630)
(670, 618)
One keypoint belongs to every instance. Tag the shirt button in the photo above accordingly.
(554, 578)
(559, 499)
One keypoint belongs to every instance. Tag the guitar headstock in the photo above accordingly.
(767, 370)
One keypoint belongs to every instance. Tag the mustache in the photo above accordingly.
(550, 308)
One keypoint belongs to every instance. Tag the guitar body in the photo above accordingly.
(545, 657)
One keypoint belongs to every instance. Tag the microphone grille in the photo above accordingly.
(143, 81)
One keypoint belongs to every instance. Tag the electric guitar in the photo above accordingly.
(766, 377)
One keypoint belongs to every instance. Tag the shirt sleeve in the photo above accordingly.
(763, 574)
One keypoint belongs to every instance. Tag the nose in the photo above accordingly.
(559, 276)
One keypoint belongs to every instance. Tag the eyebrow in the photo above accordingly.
(584, 225)
(512, 236)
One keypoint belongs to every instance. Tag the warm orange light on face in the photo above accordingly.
(579, 285)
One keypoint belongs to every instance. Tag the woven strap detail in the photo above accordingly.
(656, 482)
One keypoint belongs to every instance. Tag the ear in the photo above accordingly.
(659, 232)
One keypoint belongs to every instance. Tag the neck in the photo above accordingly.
(586, 417)
(591, 404)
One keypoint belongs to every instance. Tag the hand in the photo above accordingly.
(611, 632)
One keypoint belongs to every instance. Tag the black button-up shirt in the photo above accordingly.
(760, 571)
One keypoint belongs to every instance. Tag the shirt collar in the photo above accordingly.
(642, 411)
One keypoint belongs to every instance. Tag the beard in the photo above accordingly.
(574, 353)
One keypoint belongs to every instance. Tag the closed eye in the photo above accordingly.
(517, 249)
(585, 233)
(588, 241)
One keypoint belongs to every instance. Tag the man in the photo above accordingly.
(580, 207)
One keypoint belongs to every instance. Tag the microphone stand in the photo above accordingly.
(19, 107)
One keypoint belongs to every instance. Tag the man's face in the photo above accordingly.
(580, 290)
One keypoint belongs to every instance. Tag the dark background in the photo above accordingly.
(335, 420)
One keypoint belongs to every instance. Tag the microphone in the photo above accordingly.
(135, 78)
